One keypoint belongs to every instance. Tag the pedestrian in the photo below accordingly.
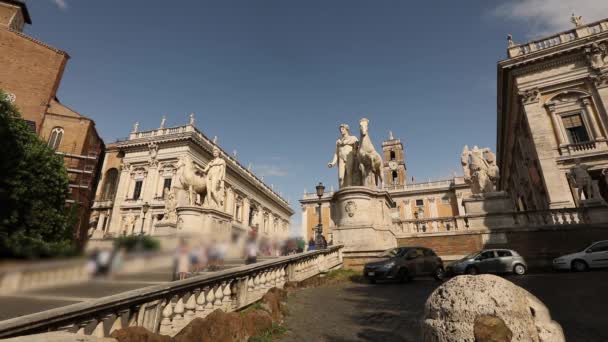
(251, 251)
(323, 242)
(311, 244)
(183, 260)
(301, 245)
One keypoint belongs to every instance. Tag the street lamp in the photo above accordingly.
(144, 209)
(319, 240)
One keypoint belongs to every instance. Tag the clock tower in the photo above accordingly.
(394, 162)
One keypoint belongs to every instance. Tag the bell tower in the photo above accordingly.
(394, 162)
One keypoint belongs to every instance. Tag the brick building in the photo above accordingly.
(30, 74)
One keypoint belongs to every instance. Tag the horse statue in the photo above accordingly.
(190, 180)
(369, 159)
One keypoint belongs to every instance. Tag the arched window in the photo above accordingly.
(110, 183)
(393, 156)
(55, 139)
(395, 177)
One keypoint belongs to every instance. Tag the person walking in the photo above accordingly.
(311, 244)
(251, 251)
(183, 260)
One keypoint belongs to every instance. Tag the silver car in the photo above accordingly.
(490, 261)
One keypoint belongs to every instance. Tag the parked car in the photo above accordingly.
(490, 261)
(405, 263)
(594, 256)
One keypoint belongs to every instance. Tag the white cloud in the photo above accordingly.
(269, 170)
(61, 4)
(545, 17)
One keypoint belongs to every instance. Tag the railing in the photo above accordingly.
(167, 308)
(550, 217)
(422, 186)
(431, 225)
(561, 38)
(578, 147)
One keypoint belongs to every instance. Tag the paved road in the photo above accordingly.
(391, 312)
(40, 300)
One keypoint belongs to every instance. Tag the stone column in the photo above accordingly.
(245, 211)
(102, 217)
(148, 191)
(601, 85)
(121, 194)
(230, 202)
(304, 227)
(557, 128)
(408, 209)
(597, 130)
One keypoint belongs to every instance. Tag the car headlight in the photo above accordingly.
(389, 265)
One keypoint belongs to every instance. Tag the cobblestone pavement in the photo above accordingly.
(391, 312)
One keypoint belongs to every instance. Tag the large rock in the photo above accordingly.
(489, 328)
(218, 327)
(138, 334)
(451, 311)
(256, 322)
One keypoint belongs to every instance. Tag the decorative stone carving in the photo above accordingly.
(153, 151)
(510, 40)
(596, 54)
(480, 169)
(191, 121)
(576, 20)
(345, 156)
(163, 122)
(350, 207)
(190, 180)
(135, 127)
(170, 212)
(530, 96)
(601, 80)
(579, 176)
(370, 161)
(216, 173)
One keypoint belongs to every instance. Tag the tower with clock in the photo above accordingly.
(394, 162)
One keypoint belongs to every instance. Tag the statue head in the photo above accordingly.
(363, 124)
(216, 151)
(344, 129)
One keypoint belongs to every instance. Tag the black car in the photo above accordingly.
(405, 263)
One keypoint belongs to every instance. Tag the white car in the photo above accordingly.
(594, 256)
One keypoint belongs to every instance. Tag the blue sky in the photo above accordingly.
(273, 79)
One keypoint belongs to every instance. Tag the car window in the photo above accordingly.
(600, 247)
(390, 253)
(415, 254)
(429, 253)
(487, 255)
(504, 253)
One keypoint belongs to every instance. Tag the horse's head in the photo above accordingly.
(183, 161)
(363, 126)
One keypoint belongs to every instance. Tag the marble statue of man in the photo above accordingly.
(170, 213)
(345, 156)
(216, 172)
(582, 180)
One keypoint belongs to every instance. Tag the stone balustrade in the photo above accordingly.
(441, 224)
(167, 308)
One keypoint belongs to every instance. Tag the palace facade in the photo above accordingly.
(138, 171)
(552, 113)
(30, 74)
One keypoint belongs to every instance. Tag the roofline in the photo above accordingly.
(19, 3)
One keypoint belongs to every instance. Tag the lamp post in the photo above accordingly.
(144, 209)
(319, 240)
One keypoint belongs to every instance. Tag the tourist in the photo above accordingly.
(104, 257)
(183, 260)
(301, 245)
(251, 251)
(311, 244)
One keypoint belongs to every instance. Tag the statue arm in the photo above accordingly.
(335, 158)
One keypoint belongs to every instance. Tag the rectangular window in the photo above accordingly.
(419, 202)
(575, 128)
(137, 191)
(166, 185)
(502, 254)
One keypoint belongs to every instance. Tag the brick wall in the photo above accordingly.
(446, 245)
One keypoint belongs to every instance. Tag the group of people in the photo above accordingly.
(202, 257)
(105, 262)
(312, 244)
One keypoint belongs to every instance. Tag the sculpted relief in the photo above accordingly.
(358, 162)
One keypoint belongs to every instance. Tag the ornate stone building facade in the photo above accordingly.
(141, 169)
(31, 73)
(438, 201)
(552, 112)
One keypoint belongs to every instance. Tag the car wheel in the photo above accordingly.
(439, 274)
(519, 269)
(472, 270)
(579, 266)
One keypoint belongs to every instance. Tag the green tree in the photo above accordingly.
(34, 218)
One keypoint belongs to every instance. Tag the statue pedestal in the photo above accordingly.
(217, 223)
(190, 220)
(165, 228)
(204, 223)
(363, 219)
(489, 210)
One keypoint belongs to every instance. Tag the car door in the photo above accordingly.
(487, 262)
(415, 261)
(504, 261)
(430, 261)
(598, 255)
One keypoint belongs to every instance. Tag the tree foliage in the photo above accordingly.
(34, 218)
